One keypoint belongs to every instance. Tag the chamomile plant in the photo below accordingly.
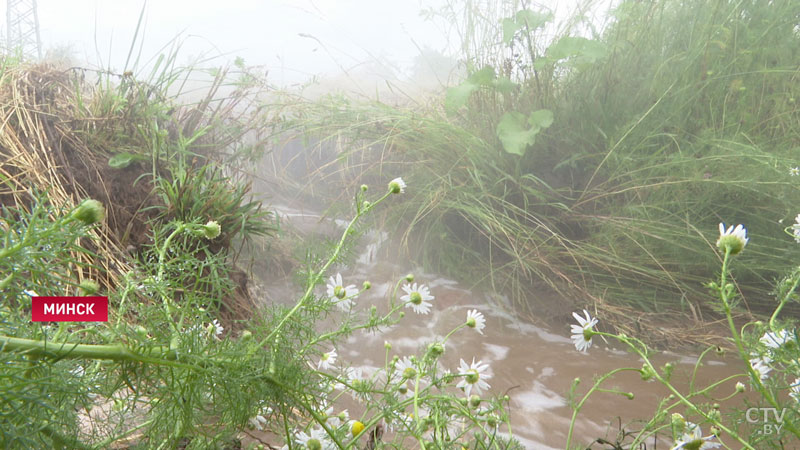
(166, 371)
(768, 355)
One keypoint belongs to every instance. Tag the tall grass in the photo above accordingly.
(669, 117)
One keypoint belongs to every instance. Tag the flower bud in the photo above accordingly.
(410, 277)
(367, 285)
(141, 331)
(678, 423)
(211, 229)
(387, 345)
(647, 372)
(436, 349)
(739, 387)
(364, 188)
(89, 212)
(668, 368)
(474, 401)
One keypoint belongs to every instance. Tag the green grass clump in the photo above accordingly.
(598, 161)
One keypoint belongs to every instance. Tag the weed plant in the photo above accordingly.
(175, 377)
(768, 352)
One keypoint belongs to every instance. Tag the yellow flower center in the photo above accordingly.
(357, 428)
(339, 292)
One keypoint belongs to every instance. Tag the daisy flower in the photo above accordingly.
(761, 366)
(417, 297)
(796, 229)
(317, 440)
(406, 368)
(476, 320)
(397, 186)
(355, 374)
(327, 360)
(473, 377)
(341, 295)
(582, 334)
(774, 340)
(693, 439)
(217, 327)
(735, 238)
(339, 419)
(794, 171)
(258, 422)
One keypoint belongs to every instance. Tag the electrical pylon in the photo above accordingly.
(22, 29)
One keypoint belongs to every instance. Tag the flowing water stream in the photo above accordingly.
(535, 364)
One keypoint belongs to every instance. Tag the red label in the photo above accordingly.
(69, 309)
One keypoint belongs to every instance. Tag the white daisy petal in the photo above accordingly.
(417, 297)
(476, 320)
(473, 377)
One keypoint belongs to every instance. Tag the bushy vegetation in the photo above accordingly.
(593, 156)
(598, 162)
(187, 359)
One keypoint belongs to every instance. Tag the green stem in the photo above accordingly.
(755, 377)
(784, 300)
(416, 412)
(275, 333)
(580, 404)
(165, 300)
(115, 352)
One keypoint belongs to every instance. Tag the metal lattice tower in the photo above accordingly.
(22, 28)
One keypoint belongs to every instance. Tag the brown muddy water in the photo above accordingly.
(534, 363)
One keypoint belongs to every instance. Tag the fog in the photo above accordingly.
(294, 41)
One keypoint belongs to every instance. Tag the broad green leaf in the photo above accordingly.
(503, 84)
(483, 77)
(533, 19)
(522, 19)
(123, 160)
(542, 118)
(585, 51)
(510, 27)
(514, 134)
(457, 96)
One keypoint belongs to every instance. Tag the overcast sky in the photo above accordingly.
(293, 38)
